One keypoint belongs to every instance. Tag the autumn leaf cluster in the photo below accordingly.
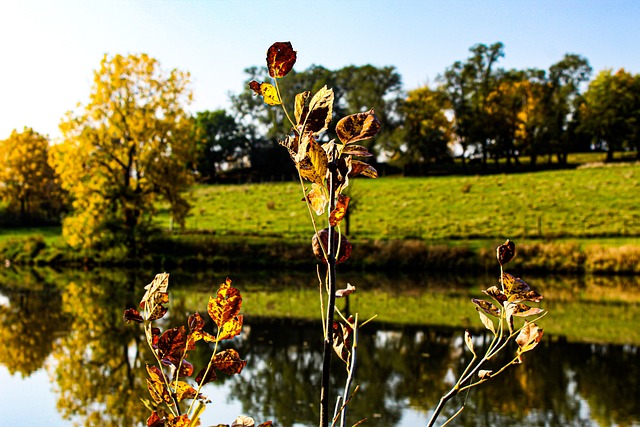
(171, 348)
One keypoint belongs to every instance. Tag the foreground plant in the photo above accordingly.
(327, 167)
(175, 402)
(511, 298)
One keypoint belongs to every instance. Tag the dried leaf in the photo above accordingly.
(229, 362)
(226, 306)
(362, 168)
(210, 376)
(154, 420)
(340, 210)
(158, 391)
(342, 341)
(317, 199)
(196, 322)
(155, 373)
(488, 323)
(496, 294)
(486, 306)
(469, 342)
(529, 336)
(320, 111)
(160, 284)
(341, 293)
(301, 110)
(484, 374)
(505, 252)
(180, 421)
(186, 369)
(243, 421)
(231, 329)
(345, 247)
(266, 424)
(311, 160)
(357, 127)
(280, 59)
(523, 310)
(514, 285)
(131, 314)
(183, 390)
(356, 150)
(172, 344)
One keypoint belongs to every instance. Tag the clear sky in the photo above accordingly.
(50, 48)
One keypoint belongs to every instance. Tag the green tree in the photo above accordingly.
(222, 144)
(355, 88)
(426, 133)
(468, 86)
(610, 110)
(563, 89)
(28, 183)
(128, 147)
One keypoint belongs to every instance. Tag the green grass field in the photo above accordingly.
(594, 202)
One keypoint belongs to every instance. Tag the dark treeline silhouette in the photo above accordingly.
(477, 117)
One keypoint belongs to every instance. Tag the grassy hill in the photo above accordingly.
(575, 220)
(589, 202)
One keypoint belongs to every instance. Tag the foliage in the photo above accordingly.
(427, 133)
(511, 297)
(327, 167)
(28, 184)
(609, 111)
(222, 144)
(170, 349)
(129, 147)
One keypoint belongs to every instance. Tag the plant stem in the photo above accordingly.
(331, 301)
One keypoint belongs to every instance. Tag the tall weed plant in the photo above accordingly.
(325, 168)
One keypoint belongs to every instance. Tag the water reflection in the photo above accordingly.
(98, 361)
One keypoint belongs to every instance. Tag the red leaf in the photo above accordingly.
(506, 252)
(229, 362)
(211, 376)
(196, 322)
(171, 345)
(131, 314)
(345, 246)
(186, 369)
(280, 59)
(154, 420)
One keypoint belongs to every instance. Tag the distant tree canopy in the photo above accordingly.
(610, 111)
(356, 89)
(127, 148)
(476, 110)
(28, 184)
(221, 143)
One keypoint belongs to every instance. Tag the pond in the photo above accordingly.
(68, 358)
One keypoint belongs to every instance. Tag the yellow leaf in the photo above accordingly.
(270, 94)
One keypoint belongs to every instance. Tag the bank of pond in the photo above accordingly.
(615, 256)
(65, 345)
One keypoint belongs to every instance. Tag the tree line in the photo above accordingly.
(134, 148)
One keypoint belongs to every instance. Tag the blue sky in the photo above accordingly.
(49, 49)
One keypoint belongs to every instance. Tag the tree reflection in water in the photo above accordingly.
(563, 385)
(99, 372)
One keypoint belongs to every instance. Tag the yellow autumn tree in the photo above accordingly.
(123, 151)
(28, 185)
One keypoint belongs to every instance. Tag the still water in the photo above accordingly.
(67, 358)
